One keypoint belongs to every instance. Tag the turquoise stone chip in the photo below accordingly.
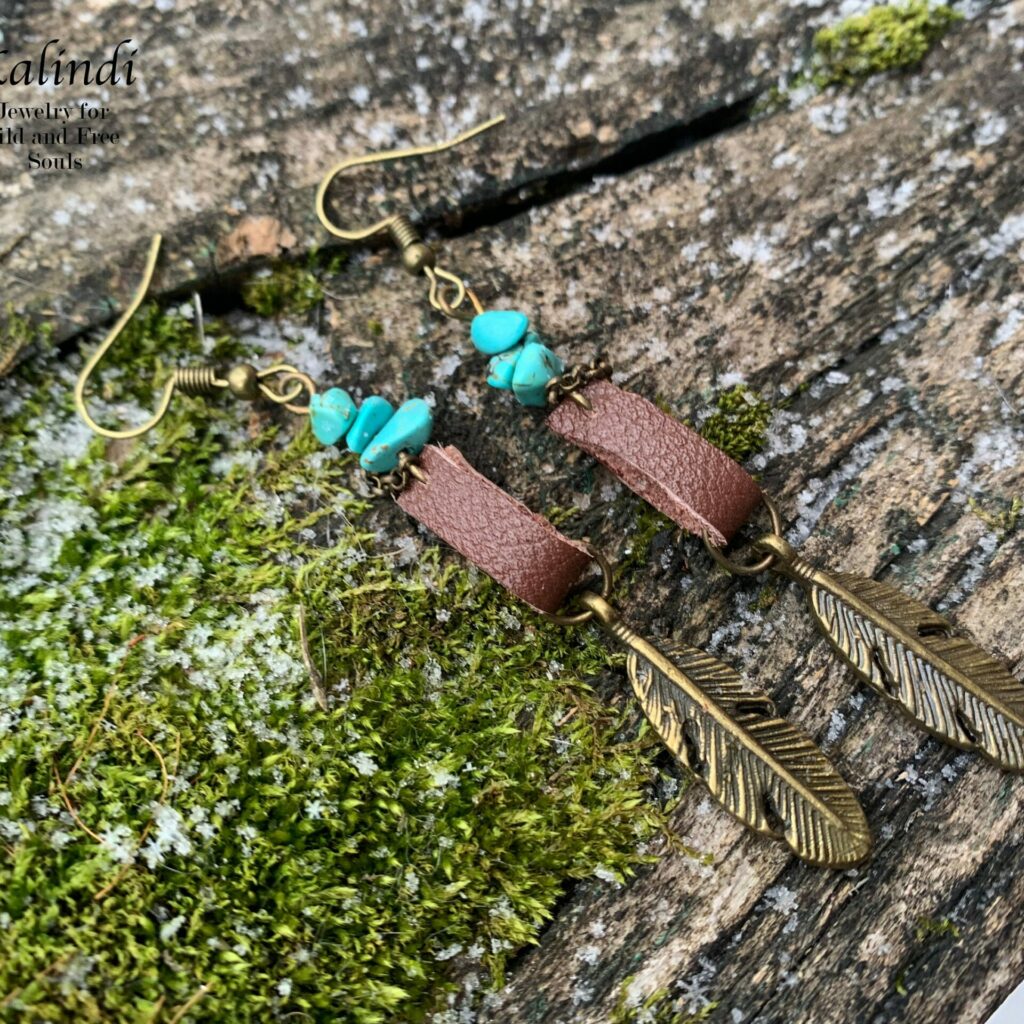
(535, 367)
(407, 431)
(502, 367)
(330, 414)
(497, 330)
(372, 415)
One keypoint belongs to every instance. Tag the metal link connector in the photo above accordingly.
(569, 384)
(393, 483)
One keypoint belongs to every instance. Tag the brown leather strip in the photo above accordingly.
(497, 533)
(665, 462)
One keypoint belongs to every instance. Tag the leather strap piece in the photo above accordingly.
(665, 462)
(497, 533)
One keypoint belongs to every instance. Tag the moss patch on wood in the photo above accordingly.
(18, 333)
(739, 424)
(1001, 515)
(181, 825)
(885, 38)
(659, 1007)
(290, 288)
(929, 928)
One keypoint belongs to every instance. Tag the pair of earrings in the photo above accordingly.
(762, 769)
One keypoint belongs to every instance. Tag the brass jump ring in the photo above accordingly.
(287, 375)
(757, 567)
(606, 589)
(453, 310)
(440, 280)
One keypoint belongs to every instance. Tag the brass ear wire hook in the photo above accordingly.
(280, 383)
(94, 359)
(417, 256)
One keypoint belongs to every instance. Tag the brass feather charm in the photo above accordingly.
(762, 769)
(907, 653)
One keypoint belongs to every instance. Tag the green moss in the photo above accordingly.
(926, 930)
(647, 523)
(559, 515)
(290, 288)
(1004, 520)
(739, 426)
(18, 333)
(930, 928)
(278, 860)
(766, 597)
(772, 100)
(657, 1008)
(889, 37)
(884, 38)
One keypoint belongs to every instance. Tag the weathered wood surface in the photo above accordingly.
(879, 265)
(861, 254)
(242, 106)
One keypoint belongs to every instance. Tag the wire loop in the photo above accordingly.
(397, 480)
(570, 384)
(286, 374)
(579, 618)
(752, 569)
(440, 281)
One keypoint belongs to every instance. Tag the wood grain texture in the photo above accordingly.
(856, 259)
(241, 107)
(872, 275)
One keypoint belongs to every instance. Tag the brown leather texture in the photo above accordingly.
(664, 461)
(497, 533)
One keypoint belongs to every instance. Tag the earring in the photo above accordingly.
(762, 769)
(903, 650)
(281, 383)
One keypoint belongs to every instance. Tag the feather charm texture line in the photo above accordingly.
(762, 769)
(908, 654)
(759, 767)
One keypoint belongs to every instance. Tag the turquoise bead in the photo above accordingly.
(536, 365)
(497, 330)
(407, 431)
(372, 415)
(502, 367)
(330, 414)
